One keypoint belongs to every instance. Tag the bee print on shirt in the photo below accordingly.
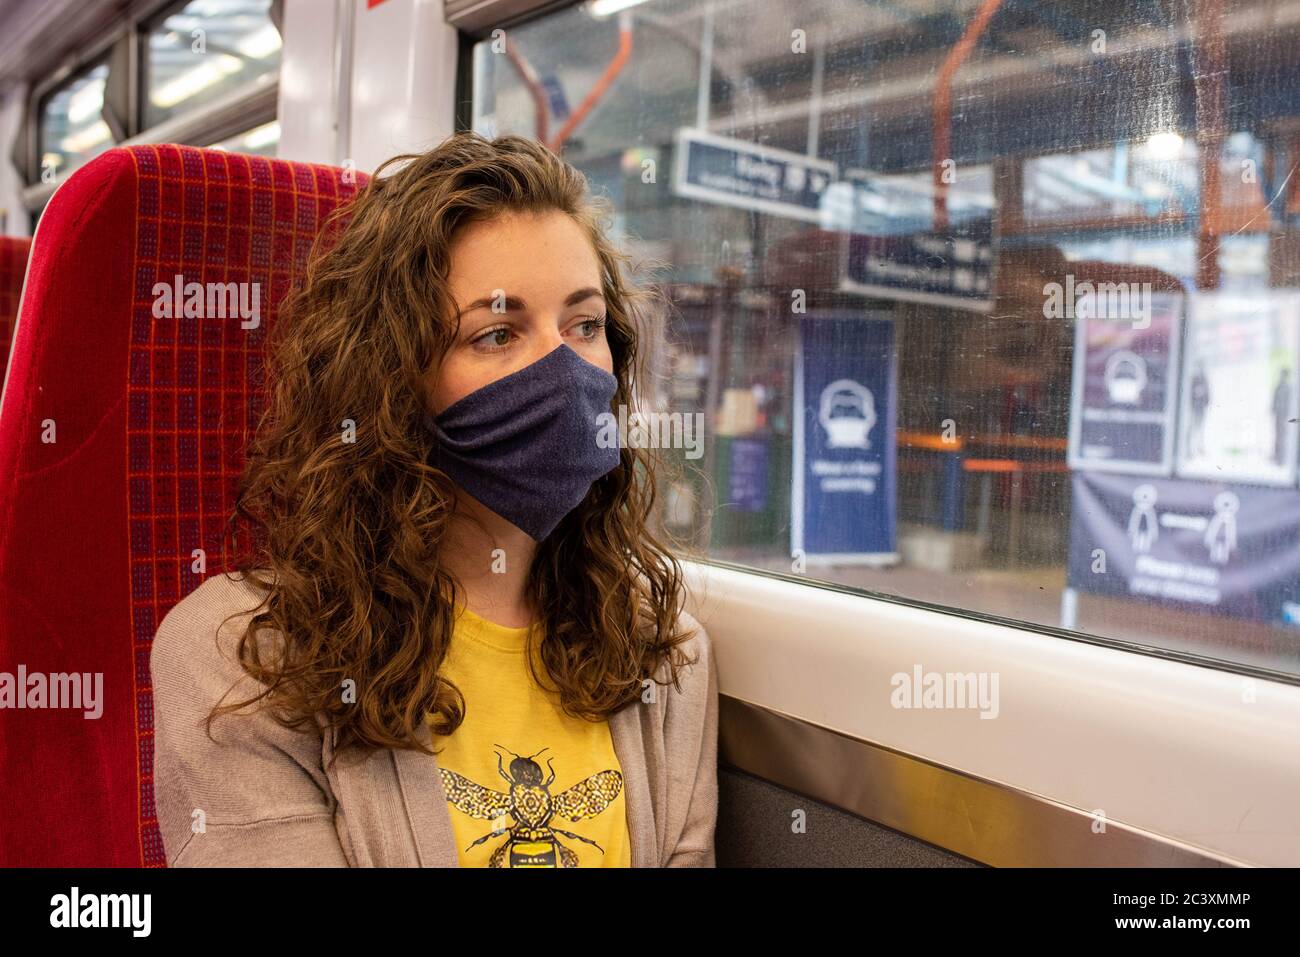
(533, 840)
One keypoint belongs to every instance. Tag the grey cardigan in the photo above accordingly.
(268, 796)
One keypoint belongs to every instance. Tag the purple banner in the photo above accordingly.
(1228, 549)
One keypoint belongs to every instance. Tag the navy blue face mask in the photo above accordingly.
(525, 445)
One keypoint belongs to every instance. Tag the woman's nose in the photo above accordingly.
(545, 342)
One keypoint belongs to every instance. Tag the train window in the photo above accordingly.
(72, 128)
(991, 307)
(259, 141)
(203, 49)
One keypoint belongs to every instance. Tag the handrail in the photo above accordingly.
(614, 68)
(942, 136)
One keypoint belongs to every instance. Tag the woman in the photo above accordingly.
(459, 642)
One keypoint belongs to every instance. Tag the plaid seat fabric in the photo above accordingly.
(13, 263)
(131, 397)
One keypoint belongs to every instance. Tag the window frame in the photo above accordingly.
(142, 27)
(121, 46)
(71, 70)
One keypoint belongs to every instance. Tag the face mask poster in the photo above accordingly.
(844, 479)
(1183, 452)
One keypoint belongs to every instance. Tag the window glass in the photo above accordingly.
(989, 306)
(72, 128)
(203, 50)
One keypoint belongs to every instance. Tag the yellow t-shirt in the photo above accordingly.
(527, 785)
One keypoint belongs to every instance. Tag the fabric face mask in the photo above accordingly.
(525, 445)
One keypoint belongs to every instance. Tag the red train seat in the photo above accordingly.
(122, 435)
(13, 264)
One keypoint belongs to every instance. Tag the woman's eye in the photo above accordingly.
(493, 339)
(590, 328)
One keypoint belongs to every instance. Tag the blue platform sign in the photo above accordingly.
(844, 482)
(893, 250)
(751, 176)
(555, 98)
(747, 490)
(951, 268)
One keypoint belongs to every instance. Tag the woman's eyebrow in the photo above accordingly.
(514, 303)
(585, 293)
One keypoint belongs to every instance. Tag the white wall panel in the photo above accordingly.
(403, 79)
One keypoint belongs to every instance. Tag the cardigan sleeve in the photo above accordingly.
(691, 741)
(257, 796)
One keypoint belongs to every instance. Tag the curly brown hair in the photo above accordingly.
(349, 533)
